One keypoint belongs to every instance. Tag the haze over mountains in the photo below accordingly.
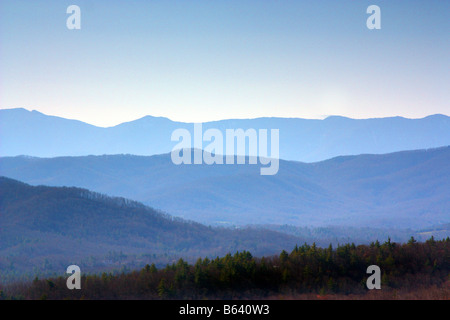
(406, 189)
(32, 133)
(356, 198)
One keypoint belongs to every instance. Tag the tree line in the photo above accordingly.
(306, 269)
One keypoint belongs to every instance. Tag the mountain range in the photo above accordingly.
(87, 194)
(32, 133)
(407, 189)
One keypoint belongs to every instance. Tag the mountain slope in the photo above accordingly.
(32, 133)
(406, 189)
(70, 225)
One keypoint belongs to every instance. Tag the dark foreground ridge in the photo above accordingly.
(45, 229)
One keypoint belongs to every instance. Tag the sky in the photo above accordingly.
(199, 61)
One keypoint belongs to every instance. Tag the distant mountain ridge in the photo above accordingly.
(405, 189)
(32, 133)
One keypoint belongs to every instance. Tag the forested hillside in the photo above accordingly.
(45, 229)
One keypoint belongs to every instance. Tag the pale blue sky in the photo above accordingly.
(210, 60)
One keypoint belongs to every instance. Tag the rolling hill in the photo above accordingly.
(44, 229)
